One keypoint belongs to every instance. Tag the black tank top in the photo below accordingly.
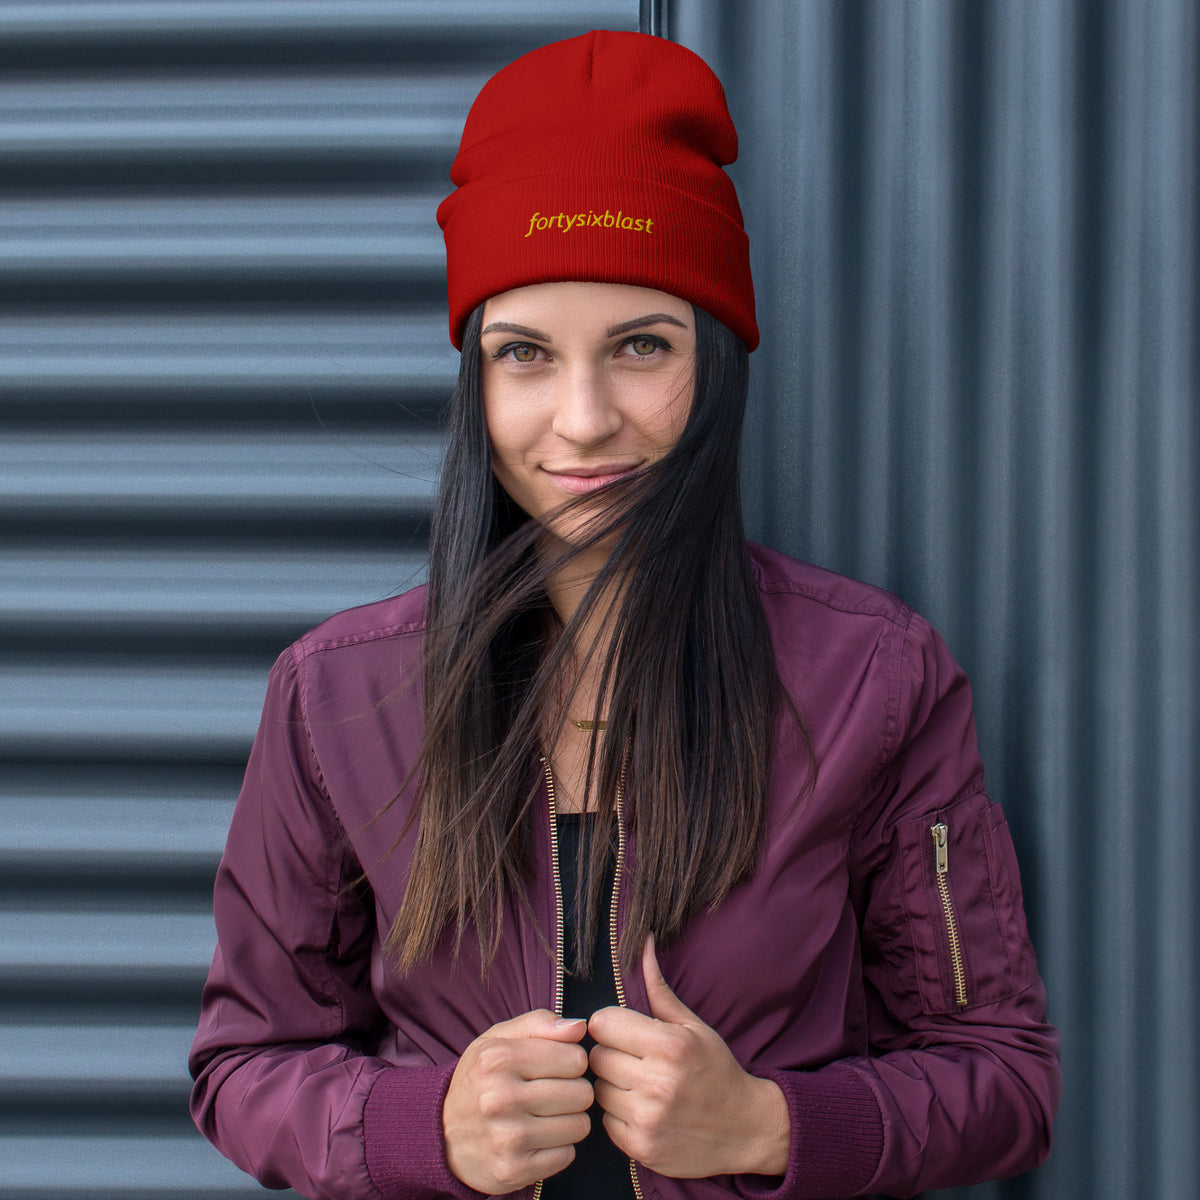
(600, 1171)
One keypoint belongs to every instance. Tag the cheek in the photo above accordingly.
(514, 415)
(503, 422)
(509, 439)
(678, 407)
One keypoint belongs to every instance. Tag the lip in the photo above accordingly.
(583, 479)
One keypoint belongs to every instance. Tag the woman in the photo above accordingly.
(625, 858)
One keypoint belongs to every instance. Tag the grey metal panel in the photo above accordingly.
(131, 711)
(69, 831)
(47, 593)
(222, 354)
(109, 239)
(113, 834)
(977, 259)
(104, 945)
(317, 364)
(251, 22)
(215, 474)
(229, 115)
(41, 1058)
(119, 1167)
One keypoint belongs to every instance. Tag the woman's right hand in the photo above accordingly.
(517, 1103)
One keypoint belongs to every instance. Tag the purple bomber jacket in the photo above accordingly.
(877, 966)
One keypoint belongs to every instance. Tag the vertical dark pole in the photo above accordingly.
(655, 17)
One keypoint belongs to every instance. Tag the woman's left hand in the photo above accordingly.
(675, 1098)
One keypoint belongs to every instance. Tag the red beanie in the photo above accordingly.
(599, 159)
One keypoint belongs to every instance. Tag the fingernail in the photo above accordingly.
(562, 1022)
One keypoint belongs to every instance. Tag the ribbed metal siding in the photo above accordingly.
(975, 230)
(222, 354)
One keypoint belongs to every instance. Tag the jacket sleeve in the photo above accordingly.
(962, 1080)
(285, 1084)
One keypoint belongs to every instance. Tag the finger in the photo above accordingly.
(618, 1130)
(664, 1004)
(537, 1162)
(541, 1023)
(624, 1029)
(616, 1102)
(557, 1097)
(539, 1058)
(614, 1066)
(544, 1163)
(567, 1029)
(552, 1133)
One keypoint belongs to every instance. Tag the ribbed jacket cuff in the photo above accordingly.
(837, 1136)
(402, 1135)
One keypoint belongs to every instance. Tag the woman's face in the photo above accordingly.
(583, 383)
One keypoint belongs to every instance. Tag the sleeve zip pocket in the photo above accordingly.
(944, 931)
(941, 859)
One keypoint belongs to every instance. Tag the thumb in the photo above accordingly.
(541, 1023)
(664, 1004)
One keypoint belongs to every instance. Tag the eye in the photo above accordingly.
(644, 345)
(522, 352)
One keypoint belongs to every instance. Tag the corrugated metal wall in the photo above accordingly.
(222, 353)
(975, 229)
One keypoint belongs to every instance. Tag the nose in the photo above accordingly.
(585, 409)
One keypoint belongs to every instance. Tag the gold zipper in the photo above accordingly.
(612, 935)
(612, 926)
(558, 914)
(941, 857)
(558, 898)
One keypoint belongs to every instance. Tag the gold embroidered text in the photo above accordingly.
(565, 222)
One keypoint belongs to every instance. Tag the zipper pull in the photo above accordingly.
(941, 846)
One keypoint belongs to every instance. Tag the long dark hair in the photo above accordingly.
(689, 686)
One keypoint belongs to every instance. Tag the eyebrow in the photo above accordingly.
(522, 330)
(612, 331)
(638, 322)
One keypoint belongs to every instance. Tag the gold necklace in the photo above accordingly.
(589, 726)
